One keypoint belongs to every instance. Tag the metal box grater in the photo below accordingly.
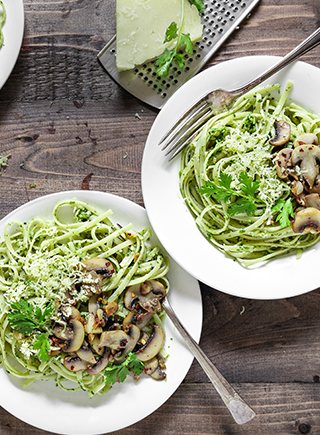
(220, 19)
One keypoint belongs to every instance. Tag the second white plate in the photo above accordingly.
(170, 217)
(45, 406)
(13, 34)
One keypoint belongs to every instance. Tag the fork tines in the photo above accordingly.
(186, 128)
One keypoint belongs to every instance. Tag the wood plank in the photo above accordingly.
(196, 409)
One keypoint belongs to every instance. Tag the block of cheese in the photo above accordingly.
(142, 25)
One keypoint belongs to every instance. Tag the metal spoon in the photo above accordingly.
(240, 411)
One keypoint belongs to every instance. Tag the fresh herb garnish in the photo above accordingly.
(199, 4)
(25, 318)
(165, 60)
(43, 345)
(119, 373)
(183, 43)
(285, 210)
(171, 33)
(245, 199)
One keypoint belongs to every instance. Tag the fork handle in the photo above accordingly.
(308, 44)
(240, 411)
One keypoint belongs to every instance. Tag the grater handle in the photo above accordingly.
(308, 44)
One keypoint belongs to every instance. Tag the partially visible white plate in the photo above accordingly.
(47, 407)
(170, 217)
(13, 34)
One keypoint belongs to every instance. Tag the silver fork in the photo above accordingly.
(240, 411)
(190, 123)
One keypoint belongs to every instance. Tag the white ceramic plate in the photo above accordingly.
(47, 407)
(13, 34)
(171, 219)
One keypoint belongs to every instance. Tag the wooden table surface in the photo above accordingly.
(62, 118)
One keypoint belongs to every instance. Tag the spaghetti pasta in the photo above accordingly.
(42, 264)
(237, 142)
(2, 21)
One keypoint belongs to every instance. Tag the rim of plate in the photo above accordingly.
(40, 401)
(169, 216)
(13, 31)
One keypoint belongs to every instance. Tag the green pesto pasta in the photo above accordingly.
(2, 21)
(237, 142)
(39, 262)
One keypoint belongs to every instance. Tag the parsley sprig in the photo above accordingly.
(165, 60)
(285, 210)
(27, 319)
(199, 4)
(183, 43)
(245, 202)
(43, 345)
(118, 373)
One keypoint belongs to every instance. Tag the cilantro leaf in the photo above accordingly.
(248, 185)
(220, 193)
(223, 192)
(199, 4)
(245, 200)
(118, 373)
(285, 210)
(242, 205)
(186, 42)
(43, 345)
(164, 61)
(225, 180)
(25, 318)
(171, 32)
(179, 59)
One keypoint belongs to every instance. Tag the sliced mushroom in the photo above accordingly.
(75, 336)
(282, 133)
(93, 304)
(62, 333)
(316, 186)
(101, 364)
(307, 156)
(159, 373)
(85, 353)
(147, 294)
(151, 366)
(305, 138)
(153, 345)
(283, 162)
(297, 187)
(91, 325)
(307, 220)
(67, 312)
(140, 318)
(120, 341)
(75, 364)
(99, 265)
(94, 341)
(312, 200)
